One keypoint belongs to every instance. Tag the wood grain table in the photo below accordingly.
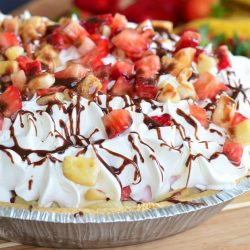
(229, 230)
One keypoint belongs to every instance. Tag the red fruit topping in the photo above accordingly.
(131, 42)
(223, 57)
(43, 92)
(119, 23)
(122, 68)
(1, 121)
(59, 40)
(126, 192)
(200, 114)
(238, 118)
(33, 68)
(233, 151)
(76, 71)
(122, 87)
(103, 72)
(207, 86)
(148, 66)
(145, 90)
(86, 46)
(164, 120)
(116, 122)
(102, 45)
(74, 31)
(8, 39)
(188, 39)
(22, 62)
(10, 101)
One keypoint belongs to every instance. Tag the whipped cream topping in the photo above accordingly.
(151, 160)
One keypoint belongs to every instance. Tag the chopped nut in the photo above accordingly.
(185, 56)
(81, 170)
(167, 92)
(184, 75)
(162, 25)
(241, 132)
(49, 56)
(224, 111)
(19, 79)
(205, 63)
(13, 52)
(89, 86)
(8, 67)
(50, 98)
(43, 81)
(68, 94)
(94, 195)
(186, 91)
(33, 28)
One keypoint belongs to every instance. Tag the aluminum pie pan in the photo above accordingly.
(108, 229)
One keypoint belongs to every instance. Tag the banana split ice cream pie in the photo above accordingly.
(103, 111)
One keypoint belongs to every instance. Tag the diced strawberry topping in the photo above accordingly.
(59, 40)
(76, 71)
(43, 92)
(116, 122)
(164, 120)
(188, 39)
(119, 23)
(122, 68)
(126, 192)
(103, 72)
(238, 118)
(233, 151)
(131, 42)
(22, 62)
(74, 31)
(144, 89)
(10, 101)
(122, 87)
(148, 66)
(223, 57)
(86, 46)
(207, 86)
(8, 39)
(1, 121)
(200, 114)
(102, 45)
(33, 68)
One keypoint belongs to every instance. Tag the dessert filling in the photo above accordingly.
(105, 110)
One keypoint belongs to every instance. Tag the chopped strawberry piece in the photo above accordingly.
(43, 92)
(238, 118)
(91, 61)
(148, 66)
(86, 46)
(1, 121)
(116, 122)
(33, 68)
(74, 31)
(126, 192)
(22, 62)
(10, 101)
(94, 24)
(102, 45)
(145, 89)
(200, 114)
(104, 88)
(163, 120)
(233, 151)
(103, 72)
(119, 23)
(59, 40)
(8, 39)
(131, 42)
(76, 71)
(122, 87)
(207, 86)
(188, 39)
(122, 68)
(223, 57)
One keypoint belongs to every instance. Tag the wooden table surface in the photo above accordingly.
(229, 230)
